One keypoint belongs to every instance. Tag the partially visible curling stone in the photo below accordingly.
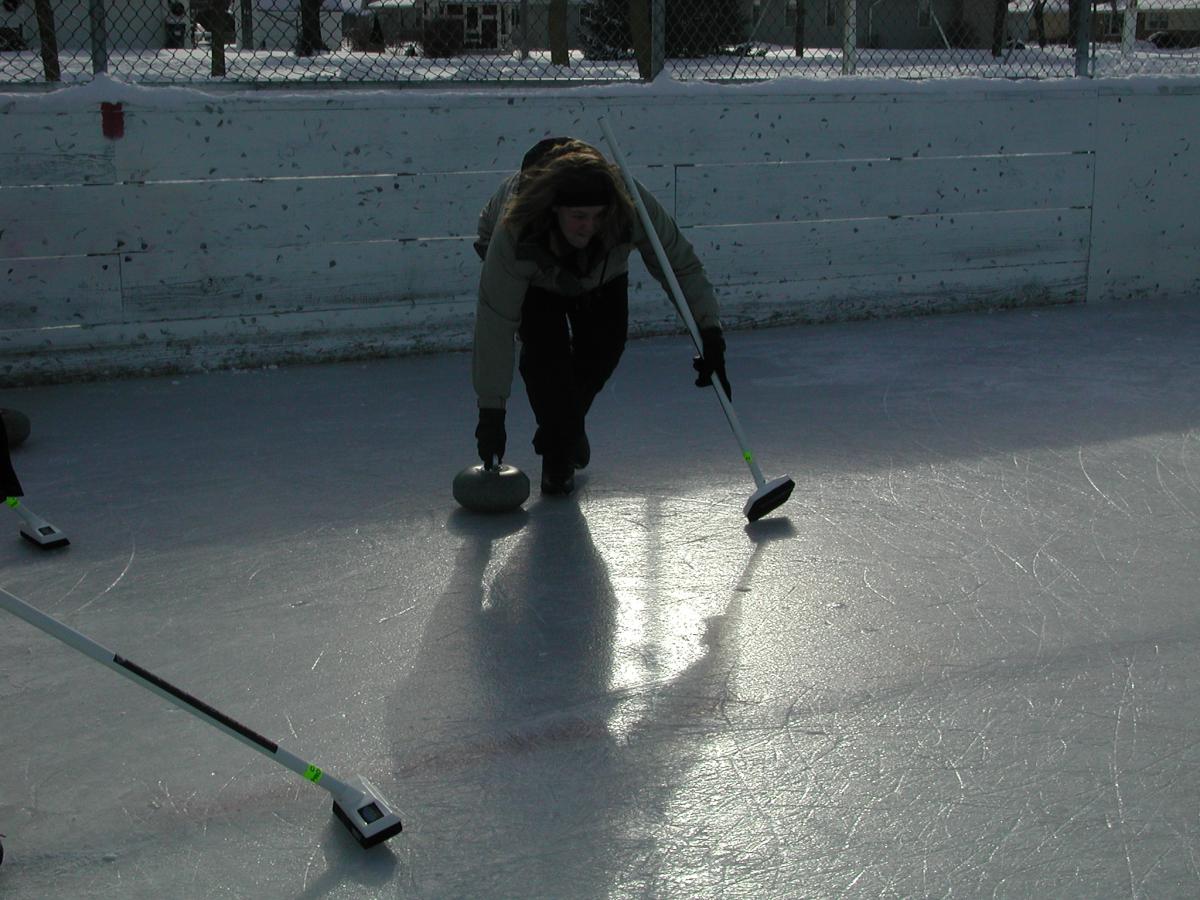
(16, 423)
(495, 490)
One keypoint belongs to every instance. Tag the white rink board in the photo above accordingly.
(257, 135)
(266, 210)
(1147, 238)
(881, 187)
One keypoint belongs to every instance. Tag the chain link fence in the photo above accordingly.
(439, 41)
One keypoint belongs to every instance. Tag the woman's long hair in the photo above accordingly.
(530, 212)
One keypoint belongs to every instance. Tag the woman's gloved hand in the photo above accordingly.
(490, 436)
(712, 360)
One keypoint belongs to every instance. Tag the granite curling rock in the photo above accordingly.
(16, 425)
(499, 489)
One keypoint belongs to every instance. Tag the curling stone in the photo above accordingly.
(16, 423)
(499, 489)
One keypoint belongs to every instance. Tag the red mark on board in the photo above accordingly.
(112, 120)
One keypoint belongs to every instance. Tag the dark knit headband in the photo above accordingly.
(584, 189)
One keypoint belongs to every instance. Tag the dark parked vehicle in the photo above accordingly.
(1174, 40)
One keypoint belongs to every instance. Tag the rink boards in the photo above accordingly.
(255, 228)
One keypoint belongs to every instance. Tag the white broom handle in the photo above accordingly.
(164, 689)
(676, 291)
(680, 301)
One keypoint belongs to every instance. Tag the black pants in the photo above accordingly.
(9, 485)
(569, 348)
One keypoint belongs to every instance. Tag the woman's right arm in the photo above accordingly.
(502, 286)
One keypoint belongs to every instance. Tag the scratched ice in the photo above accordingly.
(962, 660)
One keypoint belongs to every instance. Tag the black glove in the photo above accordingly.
(490, 436)
(712, 360)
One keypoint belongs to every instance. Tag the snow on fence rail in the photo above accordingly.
(402, 41)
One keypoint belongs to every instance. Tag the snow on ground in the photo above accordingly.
(347, 67)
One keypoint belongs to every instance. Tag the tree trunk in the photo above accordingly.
(48, 39)
(798, 37)
(310, 29)
(999, 13)
(247, 25)
(218, 49)
(560, 54)
(639, 32)
(1039, 21)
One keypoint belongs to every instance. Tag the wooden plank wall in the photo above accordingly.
(267, 228)
(1146, 239)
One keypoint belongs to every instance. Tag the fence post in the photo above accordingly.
(849, 37)
(1083, 44)
(658, 37)
(99, 37)
(1079, 25)
(1128, 29)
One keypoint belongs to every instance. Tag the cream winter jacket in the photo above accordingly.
(510, 267)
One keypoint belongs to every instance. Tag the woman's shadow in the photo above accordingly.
(533, 614)
(502, 728)
(509, 684)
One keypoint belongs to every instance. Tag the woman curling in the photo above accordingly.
(555, 240)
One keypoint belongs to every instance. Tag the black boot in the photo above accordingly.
(558, 475)
(581, 453)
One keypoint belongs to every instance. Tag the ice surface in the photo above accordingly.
(962, 660)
